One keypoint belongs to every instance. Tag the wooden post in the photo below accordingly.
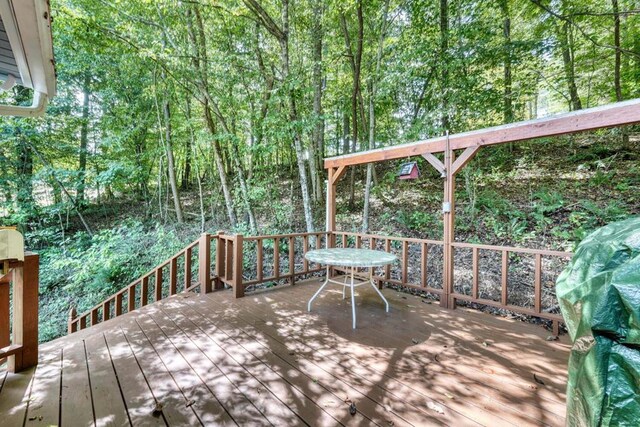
(173, 276)
(292, 259)
(238, 285)
(448, 208)
(221, 261)
(25, 314)
(4, 311)
(187, 269)
(331, 210)
(204, 263)
(72, 325)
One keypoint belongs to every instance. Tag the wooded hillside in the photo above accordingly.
(217, 115)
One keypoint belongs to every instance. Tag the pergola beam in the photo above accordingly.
(611, 115)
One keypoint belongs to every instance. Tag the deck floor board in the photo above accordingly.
(265, 360)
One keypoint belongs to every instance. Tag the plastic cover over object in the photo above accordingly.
(599, 295)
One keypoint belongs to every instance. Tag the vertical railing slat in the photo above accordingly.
(144, 291)
(505, 274)
(159, 279)
(405, 261)
(173, 276)
(292, 258)
(475, 270)
(424, 253)
(305, 248)
(387, 268)
(259, 259)
(131, 297)
(538, 284)
(276, 257)
(187, 268)
(118, 308)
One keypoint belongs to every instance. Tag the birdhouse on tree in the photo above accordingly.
(409, 170)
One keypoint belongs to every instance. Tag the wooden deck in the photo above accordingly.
(263, 360)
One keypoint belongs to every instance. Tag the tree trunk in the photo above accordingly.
(318, 129)
(188, 144)
(617, 64)
(566, 47)
(356, 62)
(506, 31)
(444, 55)
(166, 111)
(84, 132)
(372, 95)
(244, 188)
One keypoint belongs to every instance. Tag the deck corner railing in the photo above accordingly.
(245, 262)
(19, 333)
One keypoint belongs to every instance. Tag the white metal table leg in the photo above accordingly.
(353, 300)
(386, 303)
(318, 291)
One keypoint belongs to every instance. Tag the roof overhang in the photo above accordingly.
(26, 25)
(607, 116)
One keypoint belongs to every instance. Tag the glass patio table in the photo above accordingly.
(352, 259)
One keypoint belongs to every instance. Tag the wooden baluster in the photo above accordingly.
(292, 259)
(538, 284)
(144, 291)
(94, 316)
(159, 284)
(405, 261)
(305, 243)
(228, 269)
(72, 325)
(505, 273)
(238, 282)
(358, 241)
(259, 260)
(372, 243)
(387, 268)
(131, 296)
(173, 276)
(276, 257)
(221, 260)
(344, 240)
(319, 241)
(83, 321)
(106, 310)
(424, 253)
(187, 268)
(119, 298)
(475, 269)
(204, 262)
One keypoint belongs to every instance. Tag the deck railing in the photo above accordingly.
(244, 262)
(19, 333)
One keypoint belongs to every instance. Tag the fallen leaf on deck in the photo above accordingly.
(415, 341)
(538, 380)
(435, 407)
(352, 409)
(390, 423)
(190, 403)
(157, 410)
(552, 338)
(484, 343)
(449, 395)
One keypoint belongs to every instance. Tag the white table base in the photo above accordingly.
(352, 284)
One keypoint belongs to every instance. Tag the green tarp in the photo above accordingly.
(599, 295)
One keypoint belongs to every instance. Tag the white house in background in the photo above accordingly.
(26, 53)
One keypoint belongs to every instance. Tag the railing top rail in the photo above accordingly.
(381, 237)
(512, 249)
(285, 236)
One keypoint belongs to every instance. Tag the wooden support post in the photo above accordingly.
(106, 310)
(4, 312)
(221, 254)
(25, 313)
(448, 209)
(238, 285)
(204, 263)
(259, 255)
(537, 286)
